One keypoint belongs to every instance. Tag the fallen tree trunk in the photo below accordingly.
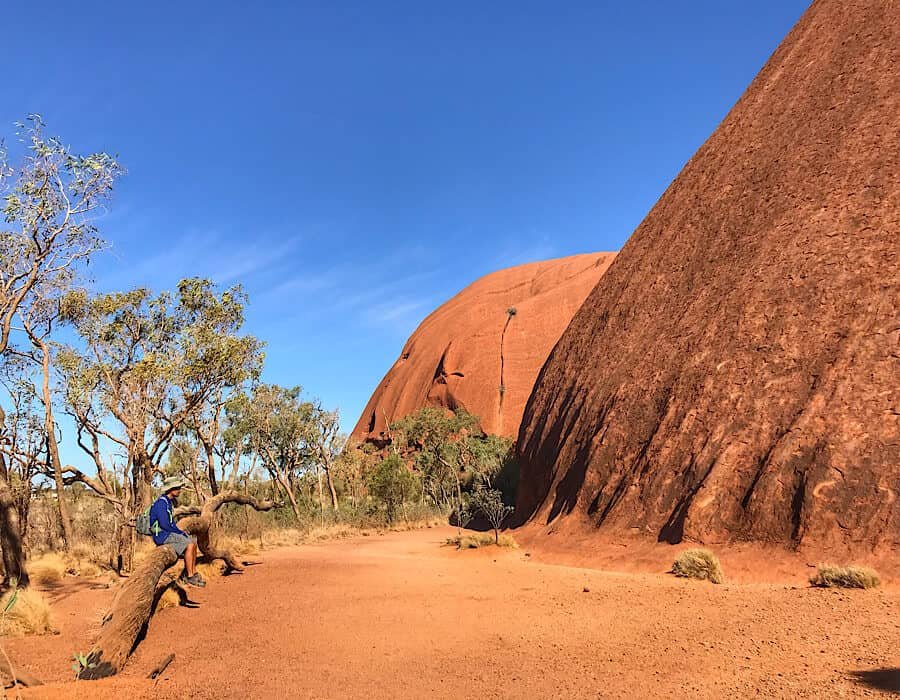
(129, 615)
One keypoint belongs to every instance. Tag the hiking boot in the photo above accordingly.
(194, 580)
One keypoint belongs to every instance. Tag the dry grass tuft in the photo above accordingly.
(47, 568)
(210, 571)
(482, 539)
(831, 576)
(25, 611)
(699, 564)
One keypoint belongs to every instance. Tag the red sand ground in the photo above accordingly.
(400, 616)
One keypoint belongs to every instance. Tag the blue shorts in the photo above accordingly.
(178, 542)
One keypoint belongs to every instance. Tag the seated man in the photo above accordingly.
(165, 531)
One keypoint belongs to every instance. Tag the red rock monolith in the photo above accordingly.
(483, 349)
(734, 375)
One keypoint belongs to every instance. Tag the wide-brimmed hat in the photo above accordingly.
(172, 483)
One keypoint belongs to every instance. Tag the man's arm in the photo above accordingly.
(160, 514)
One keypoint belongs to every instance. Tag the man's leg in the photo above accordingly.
(190, 559)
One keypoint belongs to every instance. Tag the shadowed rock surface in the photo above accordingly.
(469, 347)
(734, 375)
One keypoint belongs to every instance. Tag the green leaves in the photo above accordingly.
(49, 206)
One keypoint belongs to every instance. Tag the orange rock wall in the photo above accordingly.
(456, 356)
(735, 375)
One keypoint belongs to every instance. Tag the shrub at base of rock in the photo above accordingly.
(830, 576)
(481, 540)
(700, 564)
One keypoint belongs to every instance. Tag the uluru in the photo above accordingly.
(483, 349)
(734, 374)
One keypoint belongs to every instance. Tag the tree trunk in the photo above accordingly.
(210, 465)
(124, 562)
(320, 492)
(130, 613)
(205, 530)
(331, 489)
(290, 494)
(65, 521)
(10, 532)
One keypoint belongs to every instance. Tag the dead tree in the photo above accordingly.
(129, 615)
(200, 522)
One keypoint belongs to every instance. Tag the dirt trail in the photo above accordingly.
(399, 616)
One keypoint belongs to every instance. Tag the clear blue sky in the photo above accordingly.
(354, 164)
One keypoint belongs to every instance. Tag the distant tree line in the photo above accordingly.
(149, 384)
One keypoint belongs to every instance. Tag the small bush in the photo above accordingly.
(24, 611)
(482, 539)
(699, 564)
(48, 568)
(830, 576)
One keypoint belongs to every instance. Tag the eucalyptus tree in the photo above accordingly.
(431, 434)
(327, 443)
(22, 447)
(279, 426)
(50, 201)
(148, 364)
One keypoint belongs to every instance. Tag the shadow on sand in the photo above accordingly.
(879, 678)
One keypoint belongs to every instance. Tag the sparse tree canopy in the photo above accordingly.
(49, 204)
(150, 365)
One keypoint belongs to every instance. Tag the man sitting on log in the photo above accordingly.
(165, 531)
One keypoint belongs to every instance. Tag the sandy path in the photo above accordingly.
(400, 616)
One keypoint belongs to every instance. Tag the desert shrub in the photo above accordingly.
(481, 539)
(831, 576)
(489, 502)
(24, 611)
(47, 568)
(699, 564)
(392, 483)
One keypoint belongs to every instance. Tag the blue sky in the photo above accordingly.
(355, 164)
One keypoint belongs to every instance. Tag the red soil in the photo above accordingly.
(401, 616)
(461, 354)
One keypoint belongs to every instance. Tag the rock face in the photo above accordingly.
(734, 375)
(468, 348)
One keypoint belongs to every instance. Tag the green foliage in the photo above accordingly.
(393, 484)
(831, 576)
(151, 361)
(50, 202)
(80, 662)
(699, 564)
(489, 502)
(453, 454)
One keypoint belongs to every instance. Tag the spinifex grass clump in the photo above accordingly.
(24, 611)
(831, 576)
(47, 569)
(482, 539)
(699, 564)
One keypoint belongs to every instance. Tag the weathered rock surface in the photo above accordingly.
(468, 348)
(734, 375)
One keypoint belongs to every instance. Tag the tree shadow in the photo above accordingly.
(879, 679)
